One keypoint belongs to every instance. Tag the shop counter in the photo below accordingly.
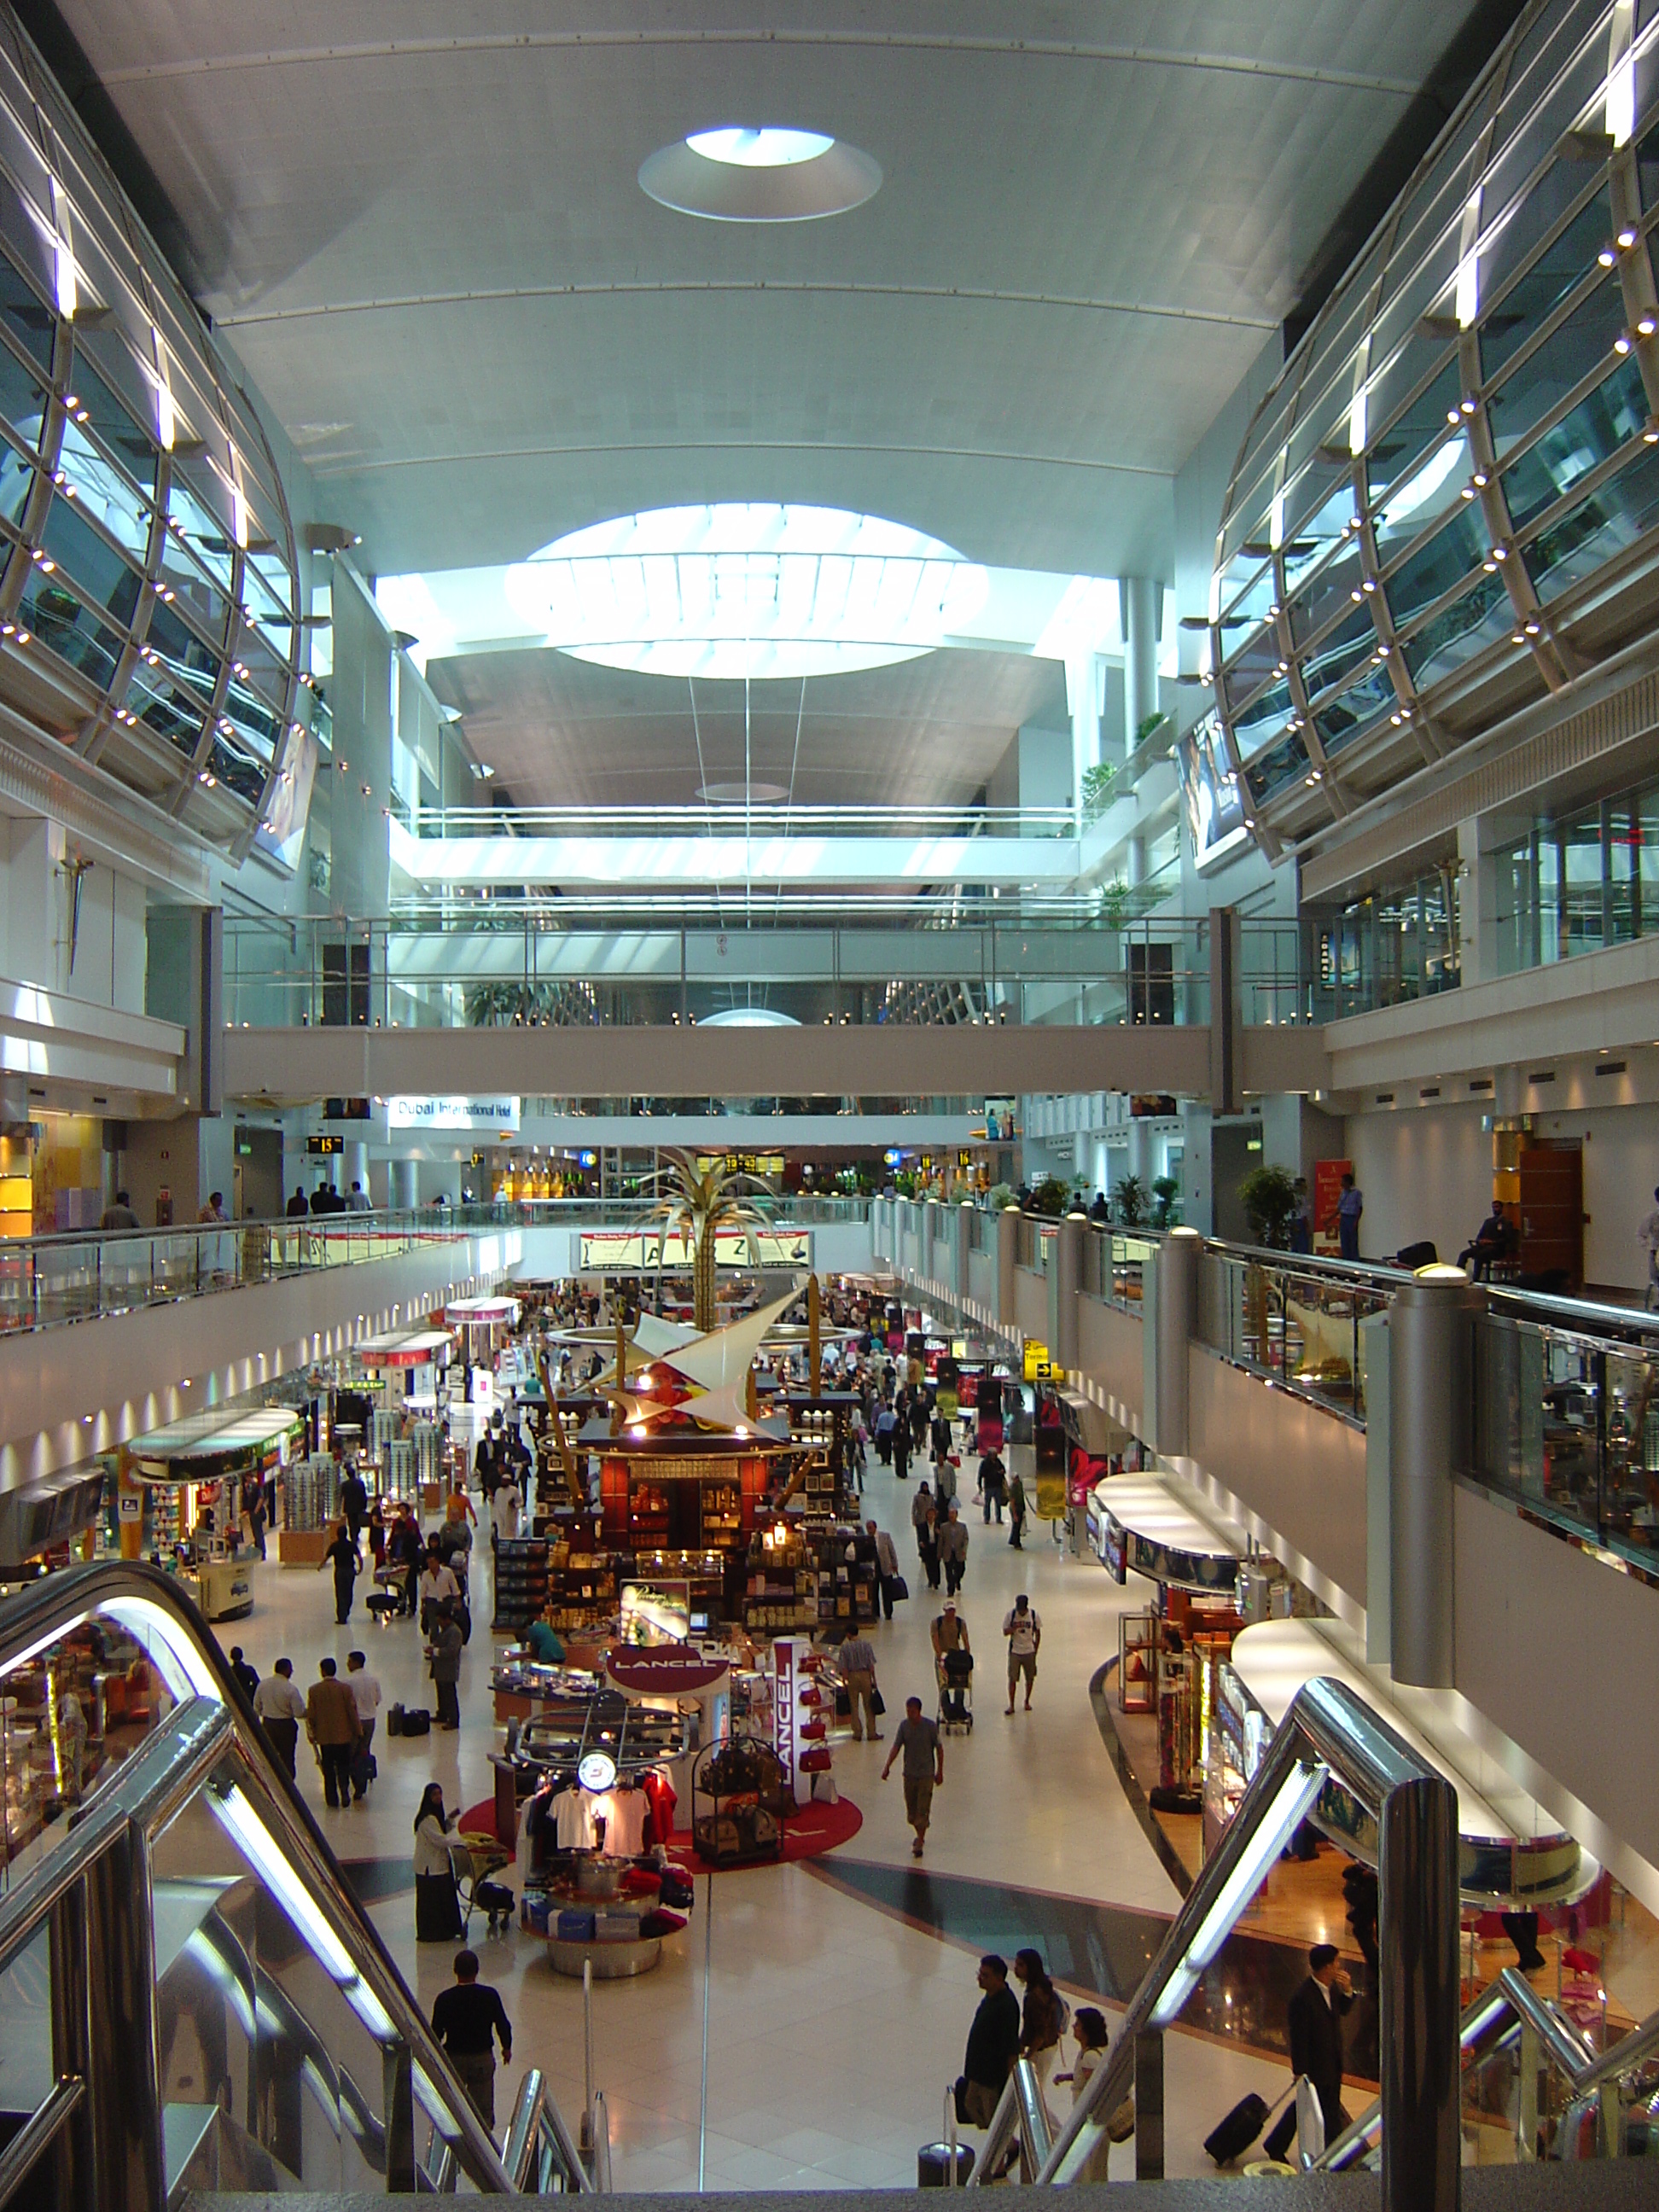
(1511, 1851)
(1140, 1522)
(302, 1547)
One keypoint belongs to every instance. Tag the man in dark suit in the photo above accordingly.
(1315, 2021)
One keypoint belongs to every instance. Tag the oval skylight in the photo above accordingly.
(735, 590)
(763, 148)
(760, 173)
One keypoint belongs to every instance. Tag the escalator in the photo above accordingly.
(190, 1997)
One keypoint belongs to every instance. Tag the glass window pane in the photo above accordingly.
(1436, 488)
(100, 490)
(1456, 549)
(206, 535)
(1507, 324)
(1341, 719)
(1598, 527)
(169, 707)
(1256, 660)
(1598, 426)
(1281, 764)
(1310, 543)
(111, 423)
(94, 564)
(1340, 653)
(57, 617)
(1327, 594)
(23, 309)
(1255, 723)
(1403, 452)
(208, 603)
(1458, 631)
(22, 399)
(1548, 376)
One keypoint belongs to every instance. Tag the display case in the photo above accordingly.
(521, 1581)
(738, 1801)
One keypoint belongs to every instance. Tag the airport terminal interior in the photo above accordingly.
(828, 1100)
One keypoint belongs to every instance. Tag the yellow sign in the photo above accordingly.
(1050, 1497)
(1037, 1366)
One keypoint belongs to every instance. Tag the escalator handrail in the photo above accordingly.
(535, 2116)
(60, 1603)
(1327, 1725)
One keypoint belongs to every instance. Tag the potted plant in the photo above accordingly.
(1050, 1197)
(999, 1197)
(1270, 1197)
(1097, 790)
(1166, 1190)
(1130, 1201)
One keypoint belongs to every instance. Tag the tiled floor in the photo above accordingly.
(834, 2024)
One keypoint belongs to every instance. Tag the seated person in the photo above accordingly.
(1490, 1242)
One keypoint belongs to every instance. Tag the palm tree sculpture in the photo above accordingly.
(699, 1202)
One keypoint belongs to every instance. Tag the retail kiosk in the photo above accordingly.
(194, 1470)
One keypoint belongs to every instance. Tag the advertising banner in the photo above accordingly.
(1326, 1196)
(639, 1251)
(497, 1116)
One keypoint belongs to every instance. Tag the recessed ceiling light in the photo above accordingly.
(745, 148)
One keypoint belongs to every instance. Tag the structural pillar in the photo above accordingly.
(1007, 1259)
(1067, 1281)
(929, 1211)
(1138, 599)
(965, 1213)
(354, 1167)
(1175, 1291)
(1420, 1996)
(405, 1180)
(1431, 1395)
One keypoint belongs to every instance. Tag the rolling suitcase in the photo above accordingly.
(1234, 2134)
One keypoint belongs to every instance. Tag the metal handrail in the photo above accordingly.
(212, 1719)
(538, 2123)
(37, 2134)
(1022, 2117)
(1328, 1732)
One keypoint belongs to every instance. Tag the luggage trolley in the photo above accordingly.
(956, 1692)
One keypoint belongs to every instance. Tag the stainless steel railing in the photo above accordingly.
(193, 1892)
(1328, 1733)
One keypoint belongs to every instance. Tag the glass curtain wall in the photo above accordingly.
(1449, 504)
(149, 603)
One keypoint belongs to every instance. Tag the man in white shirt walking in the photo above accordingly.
(508, 1509)
(281, 1709)
(365, 1689)
(1023, 1626)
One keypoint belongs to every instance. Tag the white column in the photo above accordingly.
(1083, 704)
(1140, 602)
(1477, 903)
(405, 1181)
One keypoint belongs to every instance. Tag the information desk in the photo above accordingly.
(224, 1589)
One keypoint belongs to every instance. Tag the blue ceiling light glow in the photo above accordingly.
(735, 591)
(763, 148)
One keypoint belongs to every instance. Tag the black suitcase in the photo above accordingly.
(416, 1721)
(1238, 2130)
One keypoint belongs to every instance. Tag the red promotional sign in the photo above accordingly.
(664, 1670)
(1328, 1192)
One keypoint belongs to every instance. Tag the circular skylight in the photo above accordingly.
(763, 148)
(744, 173)
(736, 591)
